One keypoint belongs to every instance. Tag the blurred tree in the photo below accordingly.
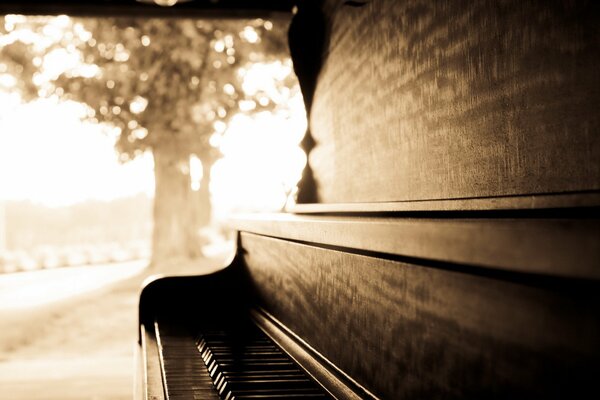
(167, 86)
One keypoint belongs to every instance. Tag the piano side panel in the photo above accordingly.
(414, 331)
(151, 374)
(422, 100)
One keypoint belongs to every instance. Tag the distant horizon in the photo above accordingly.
(28, 225)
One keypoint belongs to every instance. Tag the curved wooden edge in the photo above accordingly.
(335, 381)
(554, 247)
(512, 203)
(159, 291)
(407, 330)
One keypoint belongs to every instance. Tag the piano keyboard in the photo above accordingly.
(240, 363)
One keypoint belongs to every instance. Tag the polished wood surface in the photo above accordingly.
(413, 331)
(501, 203)
(420, 100)
(152, 374)
(567, 247)
(338, 384)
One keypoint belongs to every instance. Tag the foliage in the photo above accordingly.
(164, 85)
(156, 80)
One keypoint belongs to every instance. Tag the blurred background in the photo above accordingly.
(124, 145)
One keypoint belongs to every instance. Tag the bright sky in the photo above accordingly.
(56, 159)
(49, 156)
(262, 163)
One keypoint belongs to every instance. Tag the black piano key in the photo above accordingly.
(302, 396)
(237, 363)
(186, 376)
(237, 376)
(272, 394)
(232, 367)
(247, 375)
(266, 385)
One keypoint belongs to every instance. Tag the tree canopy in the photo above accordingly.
(168, 86)
(155, 80)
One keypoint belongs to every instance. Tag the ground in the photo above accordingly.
(80, 347)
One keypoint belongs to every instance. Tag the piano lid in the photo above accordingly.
(149, 8)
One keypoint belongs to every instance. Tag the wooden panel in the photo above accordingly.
(408, 331)
(152, 373)
(557, 247)
(421, 100)
(339, 385)
(535, 202)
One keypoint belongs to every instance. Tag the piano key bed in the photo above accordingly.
(231, 363)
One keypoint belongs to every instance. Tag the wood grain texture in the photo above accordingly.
(334, 381)
(421, 100)
(408, 331)
(534, 202)
(554, 247)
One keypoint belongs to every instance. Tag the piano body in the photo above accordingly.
(446, 241)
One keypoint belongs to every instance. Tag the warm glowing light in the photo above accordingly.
(138, 105)
(121, 55)
(264, 77)
(196, 172)
(166, 3)
(262, 161)
(247, 105)
(219, 126)
(250, 35)
(7, 80)
(219, 46)
(229, 89)
(55, 159)
(140, 133)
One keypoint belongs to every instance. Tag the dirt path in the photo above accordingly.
(79, 349)
(82, 348)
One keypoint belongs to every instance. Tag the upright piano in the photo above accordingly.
(446, 240)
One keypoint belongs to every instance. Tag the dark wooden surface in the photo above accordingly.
(411, 331)
(567, 247)
(500, 203)
(421, 100)
(339, 385)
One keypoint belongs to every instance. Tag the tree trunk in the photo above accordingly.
(179, 211)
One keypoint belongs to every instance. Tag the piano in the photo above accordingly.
(446, 240)
(320, 306)
(200, 339)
